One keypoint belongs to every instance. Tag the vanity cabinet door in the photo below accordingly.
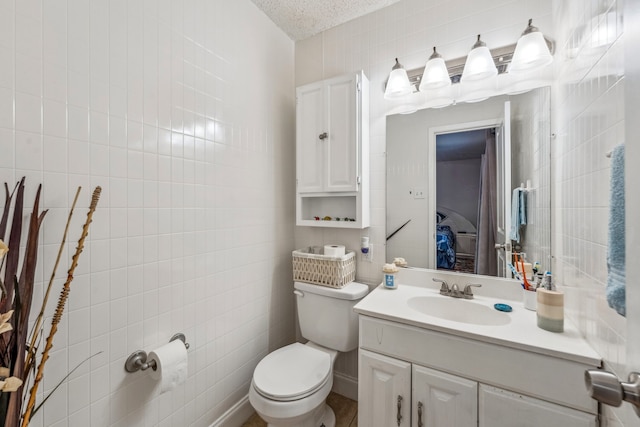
(501, 408)
(384, 391)
(443, 400)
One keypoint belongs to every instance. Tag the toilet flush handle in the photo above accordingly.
(298, 293)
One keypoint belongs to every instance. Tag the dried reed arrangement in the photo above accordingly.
(35, 334)
(18, 348)
(60, 308)
(17, 296)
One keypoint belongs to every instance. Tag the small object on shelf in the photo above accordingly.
(317, 218)
(337, 218)
(326, 218)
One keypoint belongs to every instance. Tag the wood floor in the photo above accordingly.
(346, 411)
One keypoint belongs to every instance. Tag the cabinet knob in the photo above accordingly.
(323, 136)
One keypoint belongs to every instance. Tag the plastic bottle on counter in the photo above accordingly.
(390, 271)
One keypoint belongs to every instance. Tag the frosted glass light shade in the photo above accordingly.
(398, 84)
(531, 53)
(479, 64)
(435, 75)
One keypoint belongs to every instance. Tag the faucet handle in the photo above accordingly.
(444, 289)
(467, 290)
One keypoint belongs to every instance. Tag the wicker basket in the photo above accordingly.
(323, 270)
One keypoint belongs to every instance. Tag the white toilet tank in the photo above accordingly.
(326, 314)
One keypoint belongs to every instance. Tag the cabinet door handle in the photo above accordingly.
(399, 416)
(323, 136)
(420, 414)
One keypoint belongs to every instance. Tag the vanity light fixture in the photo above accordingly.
(531, 51)
(398, 84)
(479, 64)
(477, 71)
(435, 75)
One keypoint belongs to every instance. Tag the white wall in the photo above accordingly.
(589, 120)
(183, 111)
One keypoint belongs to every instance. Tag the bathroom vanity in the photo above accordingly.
(432, 360)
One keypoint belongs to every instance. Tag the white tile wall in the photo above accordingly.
(589, 117)
(183, 112)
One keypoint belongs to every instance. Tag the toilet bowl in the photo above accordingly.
(290, 385)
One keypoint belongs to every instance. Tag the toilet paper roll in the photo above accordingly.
(335, 251)
(171, 365)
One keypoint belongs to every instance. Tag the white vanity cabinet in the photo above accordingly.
(392, 392)
(452, 381)
(332, 154)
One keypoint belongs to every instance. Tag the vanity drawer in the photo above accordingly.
(548, 378)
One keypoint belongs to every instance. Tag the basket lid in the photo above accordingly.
(350, 291)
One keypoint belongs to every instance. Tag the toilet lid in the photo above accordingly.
(292, 372)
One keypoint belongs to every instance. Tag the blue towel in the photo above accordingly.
(616, 295)
(518, 212)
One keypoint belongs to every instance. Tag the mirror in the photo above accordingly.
(434, 164)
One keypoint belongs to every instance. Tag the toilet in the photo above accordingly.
(291, 384)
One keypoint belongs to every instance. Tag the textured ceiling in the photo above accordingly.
(301, 19)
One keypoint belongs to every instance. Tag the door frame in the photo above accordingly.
(433, 132)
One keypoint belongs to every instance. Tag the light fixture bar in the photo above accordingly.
(501, 57)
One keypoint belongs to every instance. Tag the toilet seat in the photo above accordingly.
(292, 372)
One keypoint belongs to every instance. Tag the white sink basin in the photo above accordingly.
(458, 310)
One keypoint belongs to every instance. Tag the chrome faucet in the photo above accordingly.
(454, 290)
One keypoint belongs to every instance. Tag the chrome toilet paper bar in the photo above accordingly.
(138, 359)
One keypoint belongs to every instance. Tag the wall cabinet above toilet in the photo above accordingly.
(332, 152)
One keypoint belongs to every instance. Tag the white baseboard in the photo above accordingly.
(240, 412)
(236, 415)
(345, 385)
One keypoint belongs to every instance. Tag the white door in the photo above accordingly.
(443, 400)
(501, 408)
(384, 391)
(503, 193)
(341, 146)
(309, 138)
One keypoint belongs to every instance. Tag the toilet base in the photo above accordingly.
(323, 417)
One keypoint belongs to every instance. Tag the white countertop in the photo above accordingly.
(521, 333)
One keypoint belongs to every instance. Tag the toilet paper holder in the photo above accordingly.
(138, 359)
